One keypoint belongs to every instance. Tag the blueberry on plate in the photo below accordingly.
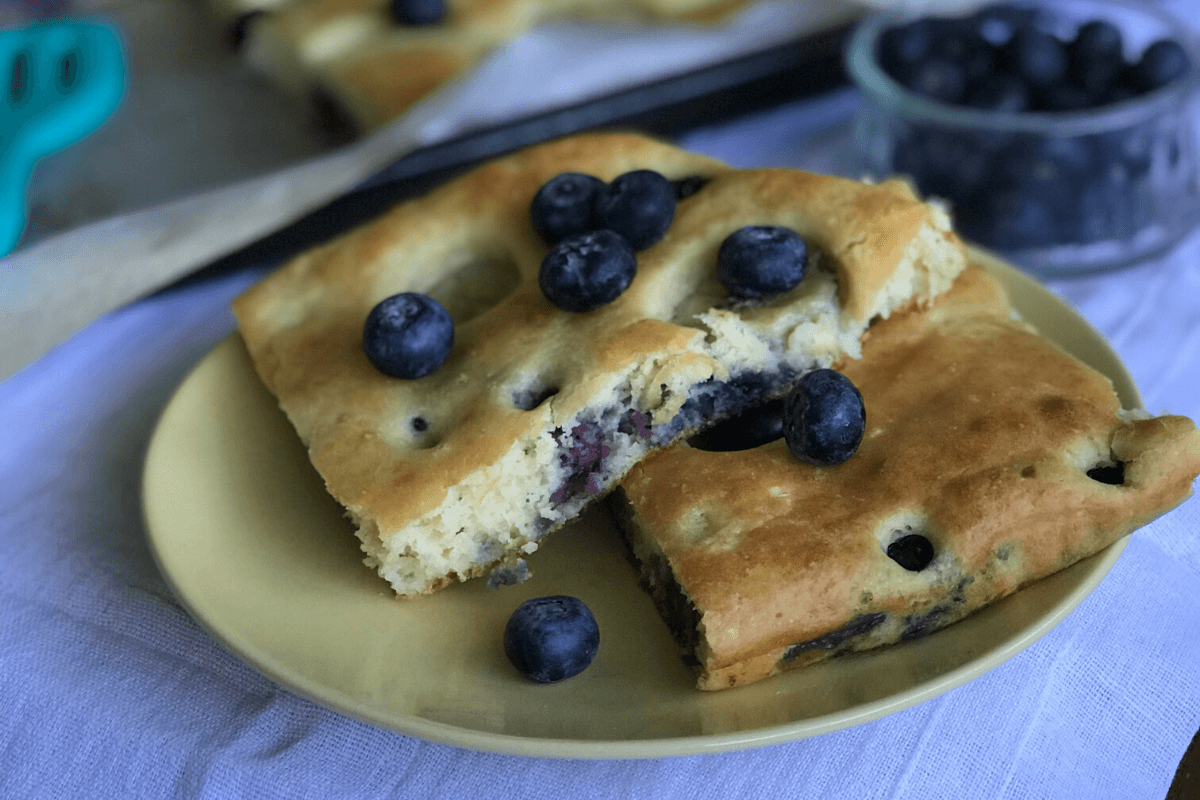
(408, 335)
(751, 428)
(1161, 63)
(418, 12)
(587, 271)
(761, 260)
(563, 206)
(639, 205)
(549, 639)
(824, 418)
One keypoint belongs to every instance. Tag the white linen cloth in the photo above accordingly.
(110, 690)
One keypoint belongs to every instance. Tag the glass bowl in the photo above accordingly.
(1056, 192)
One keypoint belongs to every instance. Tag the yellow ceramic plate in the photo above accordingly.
(258, 553)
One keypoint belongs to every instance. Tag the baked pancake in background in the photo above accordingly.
(991, 459)
(357, 58)
(538, 411)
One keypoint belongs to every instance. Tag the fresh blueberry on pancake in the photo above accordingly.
(563, 206)
(639, 205)
(587, 271)
(408, 335)
(761, 260)
(824, 418)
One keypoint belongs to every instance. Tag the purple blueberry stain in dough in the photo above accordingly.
(583, 461)
(918, 625)
(509, 574)
(635, 423)
(859, 626)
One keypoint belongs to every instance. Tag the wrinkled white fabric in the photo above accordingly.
(110, 690)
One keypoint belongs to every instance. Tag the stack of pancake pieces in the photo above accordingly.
(1004, 457)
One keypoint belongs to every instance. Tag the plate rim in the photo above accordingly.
(1100, 564)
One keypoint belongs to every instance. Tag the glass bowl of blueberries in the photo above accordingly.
(1062, 135)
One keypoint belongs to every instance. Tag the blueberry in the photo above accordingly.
(587, 271)
(904, 47)
(549, 639)
(639, 205)
(761, 260)
(1014, 219)
(1161, 63)
(1106, 210)
(1036, 56)
(961, 42)
(408, 335)
(752, 428)
(418, 12)
(1095, 57)
(824, 418)
(998, 23)
(945, 163)
(1001, 92)
(563, 206)
(938, 79)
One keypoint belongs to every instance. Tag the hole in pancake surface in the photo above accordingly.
(752, 428)
(532, 395)
(686, 187)
(474, 284)
(1111, 474)
(421, 434)
(912, 551)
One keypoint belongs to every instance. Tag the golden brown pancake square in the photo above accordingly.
(537, 412)
(1009, 458)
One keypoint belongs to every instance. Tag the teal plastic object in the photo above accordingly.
(59, 82)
